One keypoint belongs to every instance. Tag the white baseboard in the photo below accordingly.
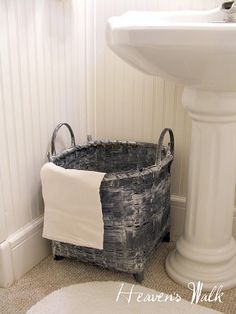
(26, 248)
(22, 251)
(178, 205)
(177, 216)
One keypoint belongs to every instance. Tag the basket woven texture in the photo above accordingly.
(135, 197)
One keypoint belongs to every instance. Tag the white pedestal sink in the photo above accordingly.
(192, 48)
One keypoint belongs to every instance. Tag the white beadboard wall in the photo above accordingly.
(47, 67)
(135, 106)
(43, 81)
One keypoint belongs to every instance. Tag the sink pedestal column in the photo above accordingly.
(206, 251)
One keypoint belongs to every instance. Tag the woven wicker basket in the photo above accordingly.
(135, 197)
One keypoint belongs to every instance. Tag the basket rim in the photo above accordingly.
(120, 174)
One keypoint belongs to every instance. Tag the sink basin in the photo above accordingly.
(189, 47)
(196, 49)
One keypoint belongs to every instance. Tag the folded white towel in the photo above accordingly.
(73, 210)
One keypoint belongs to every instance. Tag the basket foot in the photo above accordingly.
(166, 237)
(58, 257)
(139, 277)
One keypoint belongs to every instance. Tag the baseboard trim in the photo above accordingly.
(22, 251)
(26, 248)
(178, 206)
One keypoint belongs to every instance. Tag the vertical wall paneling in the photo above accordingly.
(90, 66)
(55, 66)
(3, 198)
(135, 106)
(45, 50)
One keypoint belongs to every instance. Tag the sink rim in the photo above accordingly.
(155, 19)
(213, 25)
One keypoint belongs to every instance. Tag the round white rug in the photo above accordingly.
(113, 297)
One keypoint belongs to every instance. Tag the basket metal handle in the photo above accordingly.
(54, 135)
(160, 144)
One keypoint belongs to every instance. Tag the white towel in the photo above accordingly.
(73, 210)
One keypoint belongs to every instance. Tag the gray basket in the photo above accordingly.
(135, 197)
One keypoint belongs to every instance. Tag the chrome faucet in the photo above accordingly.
(229, 10)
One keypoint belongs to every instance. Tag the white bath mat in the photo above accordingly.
(112, 297)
